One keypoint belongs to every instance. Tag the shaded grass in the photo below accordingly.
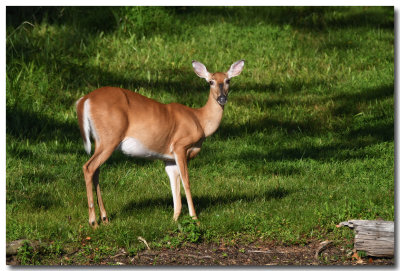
(307, 139)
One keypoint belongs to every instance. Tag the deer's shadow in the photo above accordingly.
(201, 203)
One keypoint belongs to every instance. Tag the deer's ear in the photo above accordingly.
(200, 70)
(235, 69)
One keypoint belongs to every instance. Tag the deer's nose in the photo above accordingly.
(222, 100)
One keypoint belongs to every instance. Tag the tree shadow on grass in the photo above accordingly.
(201, 203)
(154, 20)
(344, 150)
(345, 105)
(23, 124)
(305, 18)
(35, 200)
(86, 19)
(349, 133)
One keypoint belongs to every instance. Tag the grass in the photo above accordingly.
(306, 141)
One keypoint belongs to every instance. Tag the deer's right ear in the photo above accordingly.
(200, 70)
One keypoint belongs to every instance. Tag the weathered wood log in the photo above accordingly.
(375, 237)
(12, 247)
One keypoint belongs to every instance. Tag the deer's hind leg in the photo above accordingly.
(91, 171)
(103, 213)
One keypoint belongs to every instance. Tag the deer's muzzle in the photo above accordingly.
(222, 98)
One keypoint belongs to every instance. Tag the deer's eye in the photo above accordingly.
(211, 83)
(228, 81)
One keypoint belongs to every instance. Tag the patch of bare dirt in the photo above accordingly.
(212, 254)
(256, 254)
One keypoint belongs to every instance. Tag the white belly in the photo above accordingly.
(133, 147)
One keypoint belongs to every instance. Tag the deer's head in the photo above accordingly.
(219, 81)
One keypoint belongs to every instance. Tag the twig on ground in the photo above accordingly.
(122, 253)
(322, 246)
(140, 238)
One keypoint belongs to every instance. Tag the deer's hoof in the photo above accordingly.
(93, 224)
(105, 220)
(196, 220)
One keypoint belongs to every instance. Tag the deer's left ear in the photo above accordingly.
(236, 68)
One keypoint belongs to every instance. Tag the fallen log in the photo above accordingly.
(375, 237)
(13, 247)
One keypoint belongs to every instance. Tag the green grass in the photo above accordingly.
(306, 141)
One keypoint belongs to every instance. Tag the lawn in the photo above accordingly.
(306, 141)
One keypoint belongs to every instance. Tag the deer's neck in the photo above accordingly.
(210, 115)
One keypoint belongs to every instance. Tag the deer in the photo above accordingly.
(120, 119)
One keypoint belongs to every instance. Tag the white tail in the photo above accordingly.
(87, 128)
(141, 127)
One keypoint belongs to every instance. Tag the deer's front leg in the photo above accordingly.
(181, 162)
(173, 173)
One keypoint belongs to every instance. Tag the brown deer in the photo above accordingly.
(117, 118)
